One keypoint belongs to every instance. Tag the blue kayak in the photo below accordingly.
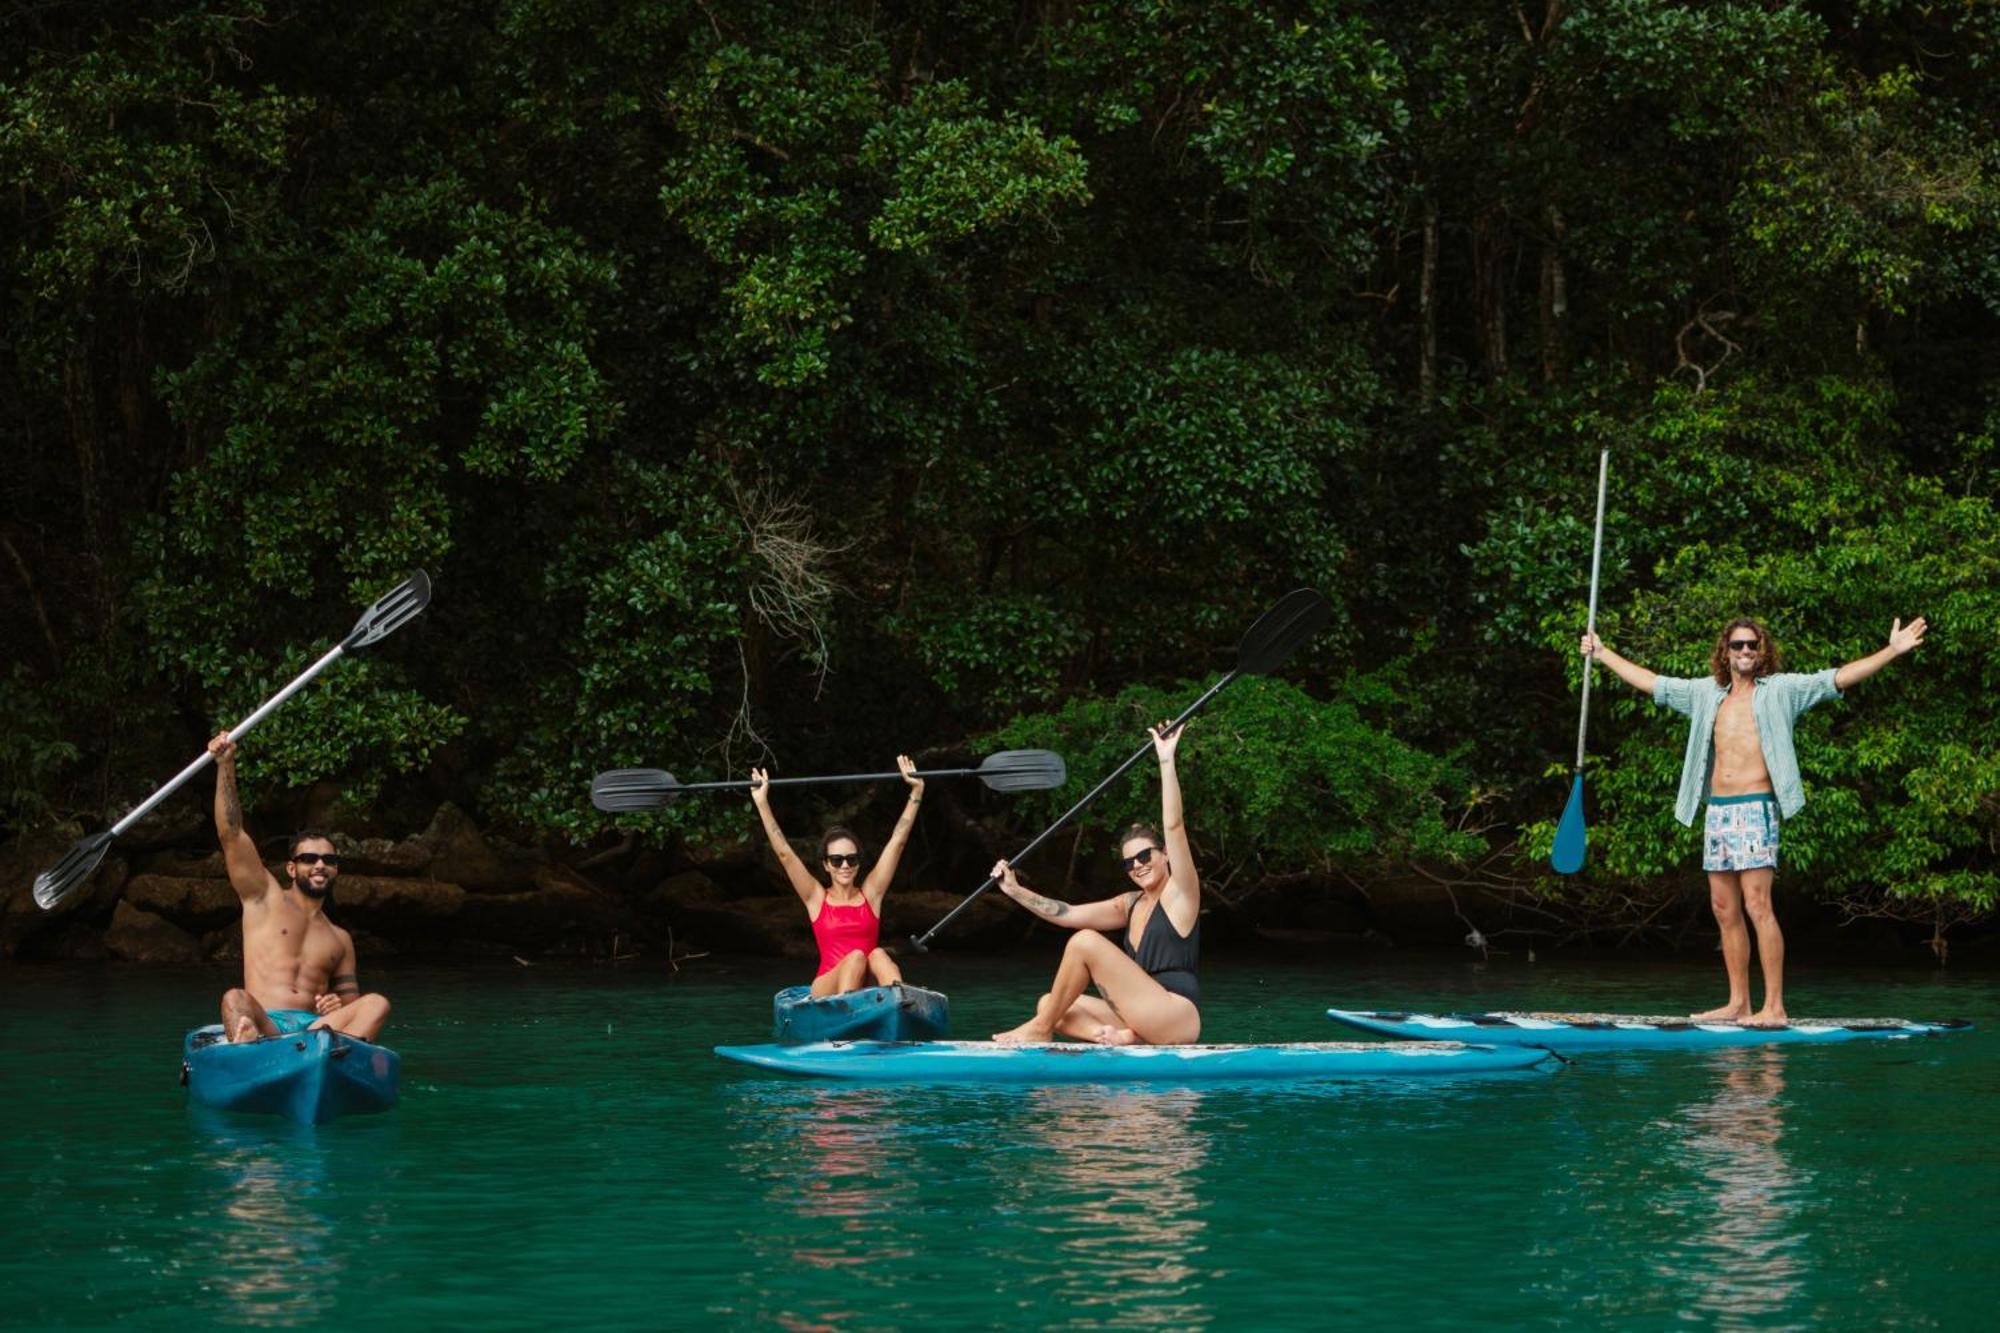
(1062, 1062)
(311, 1076)
(878, 1013)
(1597, 1032)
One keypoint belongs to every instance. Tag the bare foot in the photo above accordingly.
(1111, 1036)
(1023, 1035)
(1767, 1017)
(1728, 1013)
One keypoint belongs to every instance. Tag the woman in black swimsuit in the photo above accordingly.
(1140, 948)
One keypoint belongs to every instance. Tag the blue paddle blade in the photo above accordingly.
(1567, 857)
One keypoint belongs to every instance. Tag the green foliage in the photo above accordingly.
(1271, 778)
(32, 753)
(952, 172)
(763, 381)
(1867, 185)
(642, 596)
(1003, 653)
(140, 161)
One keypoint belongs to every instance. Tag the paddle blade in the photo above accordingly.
(68, 875)
(1567, 857)
(1282, 631)
(617, 790)
(1024, 770)
(392, 610)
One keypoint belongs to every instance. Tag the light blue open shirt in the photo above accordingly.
(1776, 705)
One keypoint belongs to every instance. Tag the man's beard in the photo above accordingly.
(305, 885)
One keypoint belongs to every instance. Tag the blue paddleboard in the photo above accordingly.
(1062, 1062)
(1596, 1032)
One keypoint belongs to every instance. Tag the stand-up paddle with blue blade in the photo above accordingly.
(393, 610)
(1571, 835)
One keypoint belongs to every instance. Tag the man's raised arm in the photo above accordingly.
(239, 854)
(1638, 677)
(1902, 638)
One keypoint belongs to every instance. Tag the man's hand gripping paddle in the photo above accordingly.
(393, 610)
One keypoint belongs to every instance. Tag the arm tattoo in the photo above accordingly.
(1049, 907)
(232, 805)
(345, 984)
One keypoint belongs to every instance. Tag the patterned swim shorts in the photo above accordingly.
(1741, 833)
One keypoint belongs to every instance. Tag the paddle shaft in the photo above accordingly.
(743, 785)
(1071, 813)
(236, 732)
(1596, 558)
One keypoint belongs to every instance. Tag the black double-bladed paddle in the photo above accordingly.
(1266, 646)
(617, 790)
(393, 610)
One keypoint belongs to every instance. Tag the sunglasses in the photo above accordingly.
(1743, 645)
(1142, 857)
(839, 859)
(332, 859)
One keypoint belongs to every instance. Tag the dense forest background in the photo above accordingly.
(801, 383)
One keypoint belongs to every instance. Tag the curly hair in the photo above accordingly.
(1768, 658)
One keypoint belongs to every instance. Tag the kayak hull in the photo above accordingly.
(1598, 1032)
(876, 1013)
(1056, 1062)
(312, 1076)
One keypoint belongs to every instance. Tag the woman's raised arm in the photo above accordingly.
(809, 889)
(877, 883)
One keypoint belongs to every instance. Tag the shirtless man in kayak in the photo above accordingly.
(298, 967)
(1740, 760)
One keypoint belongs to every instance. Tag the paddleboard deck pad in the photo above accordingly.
(1577, 1032)
(1062, 1062)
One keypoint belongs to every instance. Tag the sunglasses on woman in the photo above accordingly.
(1142, 857)
(839, 859)
(1744, 645)
(332, 859)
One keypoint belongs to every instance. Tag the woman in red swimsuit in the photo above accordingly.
(846, 917)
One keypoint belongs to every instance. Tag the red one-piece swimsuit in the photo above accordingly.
(841, 928)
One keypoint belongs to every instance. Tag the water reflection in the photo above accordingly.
(848, 1174)
(1092, 1210)
(1112, 1188)
(839, 1176)
(280, 1242)
(1748, 1245)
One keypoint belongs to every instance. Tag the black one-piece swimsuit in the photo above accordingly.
(1169, 957)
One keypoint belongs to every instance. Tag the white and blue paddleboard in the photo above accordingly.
(1062, 1062)
(1597, 1032)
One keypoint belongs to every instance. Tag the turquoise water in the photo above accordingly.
(569, 1153)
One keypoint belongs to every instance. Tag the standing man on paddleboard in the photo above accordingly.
(298, 967)
(1740, 759)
